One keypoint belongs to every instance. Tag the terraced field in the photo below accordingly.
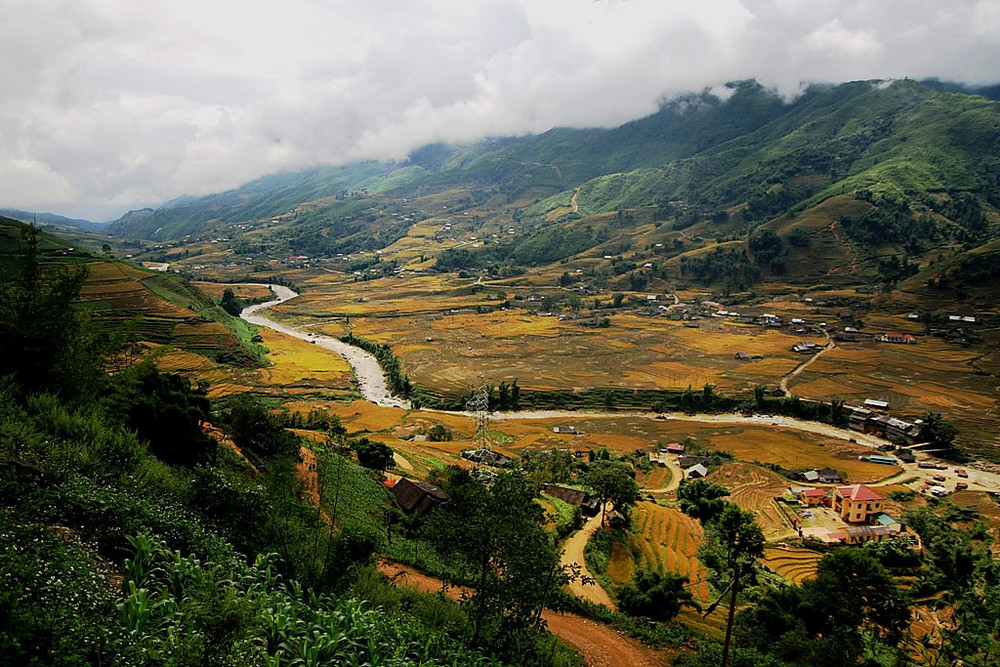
(754, 489)
(792, 563)
(667, 541)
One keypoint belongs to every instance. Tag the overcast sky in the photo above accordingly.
(108, 105)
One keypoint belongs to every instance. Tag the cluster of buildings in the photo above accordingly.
(857, 510)
(868, 420)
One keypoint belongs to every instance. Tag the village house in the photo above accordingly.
(873, 404)
(696, 471)
(565, 430)
(675, 448)
(856, 503)
(904, 339)
(804, 347)
(416, 498)
(486, 457)
(589, 506)
(813, 497)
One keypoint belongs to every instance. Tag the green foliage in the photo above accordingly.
(768, 249)
(613, 481)
(439, 433)
(255, 429)
(938, 430)
(164, 410)
(45, 341)
(372, 454)
(702, 499)
(495, 535)
(654, 595)
(230, 303)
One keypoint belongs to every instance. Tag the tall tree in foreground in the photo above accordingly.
(736, 544)
(43, 338)
(495, 536)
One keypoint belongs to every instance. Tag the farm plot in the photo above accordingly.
(754, 489)
(667, 541)
(795, 564)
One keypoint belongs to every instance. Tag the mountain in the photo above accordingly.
(53, 220)
(740, 189)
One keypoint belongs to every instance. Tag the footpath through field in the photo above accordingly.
(573, 553)
(599, 645)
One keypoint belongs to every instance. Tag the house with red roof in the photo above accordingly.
(813, 497)
(905, 339)
(856, 503)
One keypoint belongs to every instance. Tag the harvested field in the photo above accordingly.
(754, 489)
(785, 448)
(667, 541)
(988, 509)
(795, 564)
(244, 291)
(657, 478)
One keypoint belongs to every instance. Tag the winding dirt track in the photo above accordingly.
(599, 645)
(808, 362)
(573, 553)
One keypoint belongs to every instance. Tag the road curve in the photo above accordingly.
(573, 553)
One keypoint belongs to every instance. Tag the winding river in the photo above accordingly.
(374, 388)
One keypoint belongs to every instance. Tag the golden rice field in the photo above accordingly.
(246, 291)
(298, 363)
(667, 541)
(932, 375)
(795, 564)
(620, 565)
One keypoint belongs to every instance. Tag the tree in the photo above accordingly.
(230, 303)
(938, 430)
(45, 342)
(613, 480)
(768, 249)
(439, 434)
(654, 595)
(738, 542)
(494, 536)
(374, 455)
(165, 410)
(798, 238)
(853, 596)
(255, 429)
(702, 499)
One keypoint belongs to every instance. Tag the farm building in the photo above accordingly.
(859, 534)
(803, 347)
(486, 457)
(879, 458)
(568, 430)
(906, 456)
(416, 498)
(616, 519)
(575, 497)
(859, 418)
(856, 503)
(742, 356)
(675, 448)
(829, 476)
(813, 497)
(874, 404)
(687, 460)
(905, 339)
(696, 471)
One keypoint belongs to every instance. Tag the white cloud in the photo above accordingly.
(111, 104)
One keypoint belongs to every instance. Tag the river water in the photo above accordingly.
(371, 379)
(374, 387)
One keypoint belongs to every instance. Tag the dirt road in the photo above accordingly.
(573, 553)
(599, 645)
(808, 362)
